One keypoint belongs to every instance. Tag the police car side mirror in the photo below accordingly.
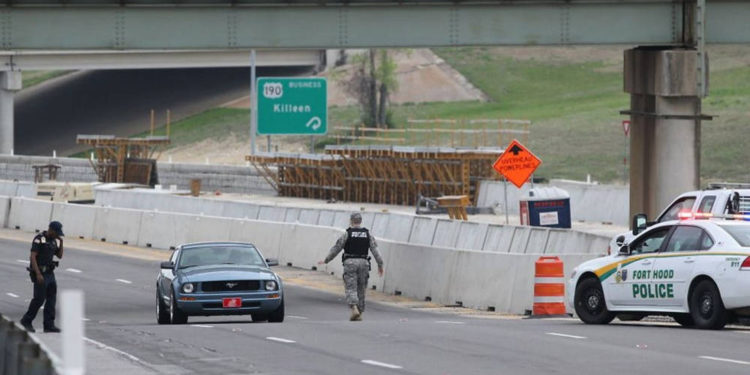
(272, 262)
(620, 240)
(640, 223)
(167, 265)
(624, 250)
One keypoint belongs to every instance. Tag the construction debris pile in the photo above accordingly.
(378, 174)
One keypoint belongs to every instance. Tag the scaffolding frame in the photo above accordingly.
(378, 174)
(110, 153)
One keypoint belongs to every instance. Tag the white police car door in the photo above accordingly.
(673, 272)
(629, 285)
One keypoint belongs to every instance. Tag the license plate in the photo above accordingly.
(231, 303)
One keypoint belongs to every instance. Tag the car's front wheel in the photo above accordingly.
(162, 312)
(706, 306)
(175, 314)
(589, 302)
(277, 316)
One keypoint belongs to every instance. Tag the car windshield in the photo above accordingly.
(213, 255)
(741, 233)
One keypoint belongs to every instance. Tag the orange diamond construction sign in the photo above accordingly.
(517, 164)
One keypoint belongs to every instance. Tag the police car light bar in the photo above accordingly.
(687, 215)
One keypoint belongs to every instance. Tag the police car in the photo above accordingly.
(717, 199)
(695, 269)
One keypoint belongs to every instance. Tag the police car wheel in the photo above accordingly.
(706, 307)
(685, 320)
(590, 305)
(162, 313)
(176, 316)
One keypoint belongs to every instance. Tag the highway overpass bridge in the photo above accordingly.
(666, 74)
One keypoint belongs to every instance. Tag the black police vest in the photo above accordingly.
(357, 243)
(45, 249)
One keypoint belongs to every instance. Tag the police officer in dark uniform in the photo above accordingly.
(356, 243)
(43, 248)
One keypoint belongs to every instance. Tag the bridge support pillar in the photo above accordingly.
(10, 82)
(665, 115)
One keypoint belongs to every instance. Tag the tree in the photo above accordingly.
(372, 81)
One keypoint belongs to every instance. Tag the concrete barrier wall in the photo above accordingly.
(17, 188)
(444, 274)
(29, 215)
(392, 226)
(588, 202)
(78, 220)
(224, 178)
(4, 211)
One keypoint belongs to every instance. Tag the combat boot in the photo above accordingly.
(355, 313)
(359, 318)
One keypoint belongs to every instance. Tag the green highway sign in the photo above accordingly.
(292, 106)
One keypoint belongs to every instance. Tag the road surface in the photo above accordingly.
(316, 338)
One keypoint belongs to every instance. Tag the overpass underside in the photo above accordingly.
(667, 75)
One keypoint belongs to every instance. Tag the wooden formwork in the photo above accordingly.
(301, 175)
(398, 175)
(120, 159)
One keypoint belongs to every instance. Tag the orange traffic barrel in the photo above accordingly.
(549, 287)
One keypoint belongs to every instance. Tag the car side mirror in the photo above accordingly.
(640, 223)
(167, 265)
(624, 250)
(272, 262)
(620, 240)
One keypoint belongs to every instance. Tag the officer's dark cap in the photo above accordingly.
(57, 227)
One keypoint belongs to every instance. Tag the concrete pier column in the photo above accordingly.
(10, 82)
(665, 112)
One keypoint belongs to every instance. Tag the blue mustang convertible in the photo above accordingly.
(218, 278)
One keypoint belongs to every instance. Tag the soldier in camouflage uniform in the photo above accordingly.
(356, 242)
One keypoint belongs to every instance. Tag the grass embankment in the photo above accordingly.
(34, 77)
(574, 105)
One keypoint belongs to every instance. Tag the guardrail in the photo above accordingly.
(20, 353)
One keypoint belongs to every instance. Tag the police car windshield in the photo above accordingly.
(741, 233)
(213, 255)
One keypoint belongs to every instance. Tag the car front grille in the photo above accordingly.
(230, 285)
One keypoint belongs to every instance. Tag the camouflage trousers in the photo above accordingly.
(356, 274)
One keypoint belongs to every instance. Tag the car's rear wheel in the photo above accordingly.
(589, 302)
(162, 312)
(277, 316)
(176, 316)
(706, 306)
(685, 320)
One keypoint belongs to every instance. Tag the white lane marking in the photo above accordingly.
(564, 335)
(73, 270)
(86, 319)
(124, 281)
(381, 364)
(201, 325)
(23, 261)
(279, 339)
(12, 295)
(724, 360)
(296, 317)
(448, 322)
(115, 350)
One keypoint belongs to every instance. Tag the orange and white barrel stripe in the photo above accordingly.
(549, 287)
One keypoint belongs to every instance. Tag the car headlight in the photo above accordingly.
(271, 285)
(188, 288)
